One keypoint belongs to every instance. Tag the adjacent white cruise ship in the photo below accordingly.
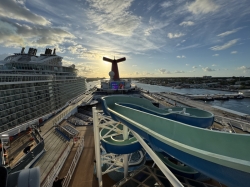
(32, 86)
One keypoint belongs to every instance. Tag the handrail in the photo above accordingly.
(74, 163)
(48, 180)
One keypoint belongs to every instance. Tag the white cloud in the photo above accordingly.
(186, 23)
(175, 35)
(200, 65)
(225, 46)
(244, 68)
(179, 71)
(134, 65)
(113, 17)
(213, 64)
(194, 67)
(208, 69)
(68, 57)
(202, 6)
(77, 49)
(181, 56)
(216, 55)
(166, 4)
(164, 71)
(234, 52)
(228, 32)
(12, 9)
(17, 35)
(187, 64)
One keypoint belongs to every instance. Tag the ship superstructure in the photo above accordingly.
(32, 86)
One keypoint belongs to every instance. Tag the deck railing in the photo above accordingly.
(74, 163)
(49, 179)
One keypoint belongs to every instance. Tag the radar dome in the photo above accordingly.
(111, 74)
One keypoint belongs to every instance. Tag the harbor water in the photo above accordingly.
(239, 105)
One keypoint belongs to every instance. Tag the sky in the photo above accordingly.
(159, 38)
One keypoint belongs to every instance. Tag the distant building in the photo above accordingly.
(207, 77)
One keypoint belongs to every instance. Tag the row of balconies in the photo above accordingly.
(34, 112)
(15, 122)
(6, 93)
(21, 117)
(23, 103)
(25, 98)
(19, 109)
(58, 102)
(21, 86)
(23, 78)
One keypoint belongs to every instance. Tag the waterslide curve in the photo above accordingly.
(187, 115)
(222, 156)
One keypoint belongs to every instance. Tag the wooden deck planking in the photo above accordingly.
(54, 146)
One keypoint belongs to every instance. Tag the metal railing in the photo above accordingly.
(74, 163)
(49, 179)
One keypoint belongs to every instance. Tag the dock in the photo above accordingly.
(239, 122)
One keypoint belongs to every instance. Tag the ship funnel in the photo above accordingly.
(22, 51)
(54, 52)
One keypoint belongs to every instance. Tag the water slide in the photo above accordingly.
(220, 155)
(187, 115)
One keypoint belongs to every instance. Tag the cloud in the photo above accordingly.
(202, 6)
(208, 69)
(77, 49)
(180, 56)
(213, 64)
(244, 68)
(13, 10)
(187, 64)
(17, 35)
(164, 71)
(166, 4)
(179, 71)
(113, 17)
(216, 55)
(194, 67)
(228, 32)
(234, 52)
(175, 35)
(68, 57)
(134, 65)
(186, 23)
(225, 46)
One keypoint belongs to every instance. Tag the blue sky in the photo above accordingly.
(164, 38)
